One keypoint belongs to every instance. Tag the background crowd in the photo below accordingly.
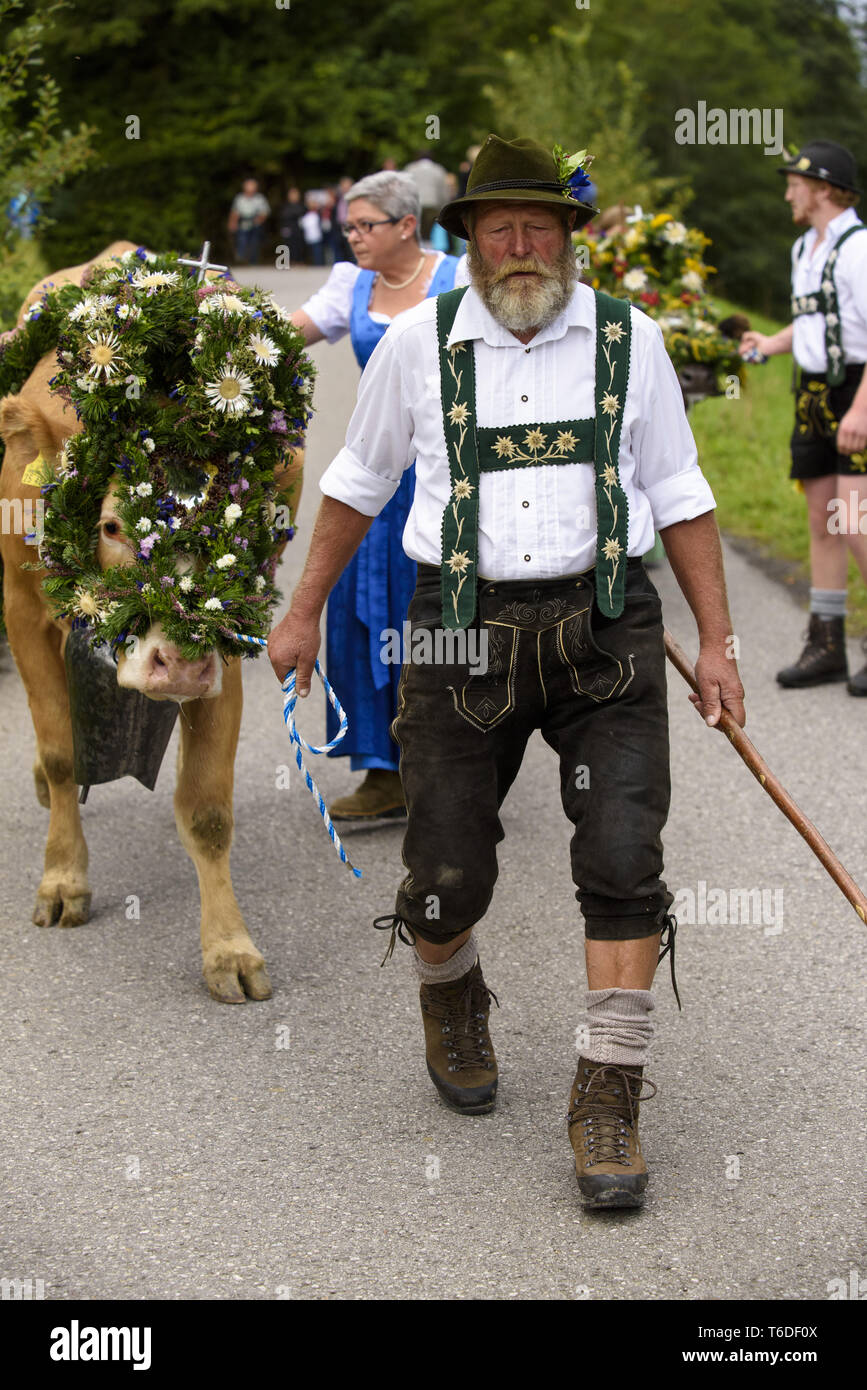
(310, 224)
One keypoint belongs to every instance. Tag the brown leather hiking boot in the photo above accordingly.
(380, 797)
(823, 658)
(460, 1054)
(603, 1132)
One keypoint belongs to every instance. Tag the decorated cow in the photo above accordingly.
(151, 415)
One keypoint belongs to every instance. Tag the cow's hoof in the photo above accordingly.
(237, 978)
(62, 910)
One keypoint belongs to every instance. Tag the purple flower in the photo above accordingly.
(278, 423)
(233, 489)
(147, 545)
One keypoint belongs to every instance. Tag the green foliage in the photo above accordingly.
(21, 267)
(36, 156)
(551, 92)
(225, 87)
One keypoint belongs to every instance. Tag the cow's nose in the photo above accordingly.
(170, 674)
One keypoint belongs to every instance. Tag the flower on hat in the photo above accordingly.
(571, 171)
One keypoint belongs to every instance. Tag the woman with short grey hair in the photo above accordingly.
(392, 272)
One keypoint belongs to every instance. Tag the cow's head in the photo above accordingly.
(152, 664)
(164, 517)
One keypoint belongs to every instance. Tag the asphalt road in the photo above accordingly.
(160, 1145)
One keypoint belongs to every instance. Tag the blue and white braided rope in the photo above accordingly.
(289, 701)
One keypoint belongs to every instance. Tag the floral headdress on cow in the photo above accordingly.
(191, 396)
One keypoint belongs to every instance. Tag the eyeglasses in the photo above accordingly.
(363, 228)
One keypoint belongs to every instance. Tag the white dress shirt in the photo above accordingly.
(535, 521)
(850, 278)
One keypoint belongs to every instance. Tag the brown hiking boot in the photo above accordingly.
(460, 1054)
(603, 1132)
(823, 658)
(380, 797)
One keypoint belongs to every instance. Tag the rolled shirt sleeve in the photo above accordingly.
(662, 443)
(379, 440)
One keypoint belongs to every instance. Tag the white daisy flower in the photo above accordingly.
(692, 281)
(225, 561)
(264, 349)
(187, 584)
(104, 355)
(155, 279)
(149, 444)
(214, 603)
(674, 233)
(230, 392)
(144, 489)
(123, 311)
(86, 604)
(144, 525)
(232, 512)
(260, 582)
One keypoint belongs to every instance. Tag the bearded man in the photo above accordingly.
(550, 439)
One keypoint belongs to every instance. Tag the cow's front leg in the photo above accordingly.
(63, 896)
(232, 966)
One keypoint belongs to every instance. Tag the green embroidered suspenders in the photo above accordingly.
(472, 451)
(825, 302)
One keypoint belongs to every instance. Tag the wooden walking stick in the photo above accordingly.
(775, 789)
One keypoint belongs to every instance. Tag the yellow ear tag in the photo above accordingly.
(39, 472)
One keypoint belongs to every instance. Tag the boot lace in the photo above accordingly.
(604, 1131)
(464, 1025)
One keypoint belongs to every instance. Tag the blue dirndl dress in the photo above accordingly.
(374, 590)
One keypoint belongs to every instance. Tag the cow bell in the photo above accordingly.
(115, 732)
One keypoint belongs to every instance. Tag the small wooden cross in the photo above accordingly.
(203, 263)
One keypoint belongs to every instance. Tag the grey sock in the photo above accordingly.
(616, 1026)
(452, 969)
(828, 603)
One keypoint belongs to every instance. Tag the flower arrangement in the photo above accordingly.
(191, 397)
(657, 263)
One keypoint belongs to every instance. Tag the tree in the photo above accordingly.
(549, 92)
(36, 156)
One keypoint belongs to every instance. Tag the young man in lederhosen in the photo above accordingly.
(828, 339)
(550, 438)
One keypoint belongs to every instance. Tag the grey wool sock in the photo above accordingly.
(828, 603)
(617, 1026)
(452, 969)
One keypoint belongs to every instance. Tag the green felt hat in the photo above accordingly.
(513, 171)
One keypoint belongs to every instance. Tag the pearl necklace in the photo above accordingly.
(404, 283)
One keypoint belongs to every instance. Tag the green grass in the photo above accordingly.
(743, 449)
